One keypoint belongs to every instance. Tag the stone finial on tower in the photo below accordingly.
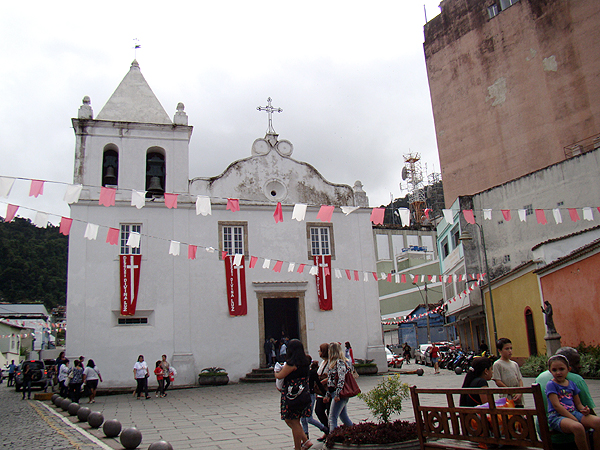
(180, 117)
(85, 110)
(360, 196)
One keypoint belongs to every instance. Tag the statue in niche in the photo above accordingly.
(548, 319)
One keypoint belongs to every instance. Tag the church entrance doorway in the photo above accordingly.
(281, 318)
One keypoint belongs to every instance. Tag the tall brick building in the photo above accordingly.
(515, 87)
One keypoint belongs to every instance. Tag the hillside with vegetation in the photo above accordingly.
(33, 264)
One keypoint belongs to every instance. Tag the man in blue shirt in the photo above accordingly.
(11, 373)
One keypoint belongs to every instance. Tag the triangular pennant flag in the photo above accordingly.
(356, 277)
(301, 268)
(138, 198)
(277, 267)
(403, 278)
(416, 279)
(112, 237)
(37, 188)
(389, 278)
(278, 214)
(107, 196)
(541, 216)
(397, 278)
(203, 205)
(469, 216)
(65, 225)
(6, 185)
(174, 248)
(506, 214)
(366, 277)
(223, 255)
(557, 216)
(253, 260)
(325, 213)
(404, 216)
(314, 270)
(523, 215)
(487, 214)
(233, 204)
(377, 216)
(299, 212)
(266, 263)
(337, 273)
(291, 267)
(133, 240)
(348, 274)
(237, 259)
(587, 213)
(449, 278)
(448, 216)
(375, 276)
(210, 249)
(382, 276)
(192, 249)
(41, 220)
(348, 209)
(91, 231)
(171, 200)
(72, 193)
(574, 214)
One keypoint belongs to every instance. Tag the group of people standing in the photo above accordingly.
(164, 375)
(72, 379)
(321, 383)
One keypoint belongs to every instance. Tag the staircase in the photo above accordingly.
(261, 375)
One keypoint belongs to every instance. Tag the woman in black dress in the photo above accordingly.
(295, 374)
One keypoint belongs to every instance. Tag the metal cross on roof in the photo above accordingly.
(270, 110)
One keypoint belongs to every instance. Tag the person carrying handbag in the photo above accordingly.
(338, 367)
(140, 373)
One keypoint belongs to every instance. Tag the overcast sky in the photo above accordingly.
(350, 77)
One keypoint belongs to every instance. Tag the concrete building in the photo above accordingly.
(249, 279)
(33, 316)
(12, 336)
(513, 86)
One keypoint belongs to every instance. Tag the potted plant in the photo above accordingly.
(213, 376)
(365, 366)
(383, 400)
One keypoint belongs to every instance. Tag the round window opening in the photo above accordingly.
(275, 190)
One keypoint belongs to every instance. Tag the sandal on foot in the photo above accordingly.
(307, 445)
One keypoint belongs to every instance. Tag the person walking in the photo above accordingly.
(158, 371)
(338, 367)
(435, 357)
(314, 386)
(295, 374)
(349, 353)
(140, 373)
(26, 381)
(63, 372)
(11, 373)
(322, 408)
(91, 376)
(166, 368)
(406, 353)
(76, 376)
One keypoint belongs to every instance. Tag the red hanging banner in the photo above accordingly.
(236, 286)
(129, 267)
(323, 279)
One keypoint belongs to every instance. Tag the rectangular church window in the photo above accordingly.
(127, 228)
(133, 321)
(320, 239)
(233, 238)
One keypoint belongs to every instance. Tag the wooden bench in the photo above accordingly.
(452, 426)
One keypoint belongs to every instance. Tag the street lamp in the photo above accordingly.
(466, 236)
(426, 308)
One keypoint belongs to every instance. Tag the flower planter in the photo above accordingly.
(406, 445)
(366, 370)
(221, 380)
(213, 380)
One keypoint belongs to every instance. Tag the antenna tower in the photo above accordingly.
(413, 176)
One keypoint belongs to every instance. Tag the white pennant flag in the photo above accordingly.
(72, 194)
(487, 214)
(138, 198)
(266, 264)
(174, 248)
(448, 216)
(237, 259)
(523, 215)
(348, 209)
(338, 273)
(587, 213)
(6, 185)
(91, 232)
(41, 220)
(299, 212)
(133, 240)
(557, 216)
(314, 270)
(291, 267)
(404, 216)
(382, 275)
(366, 277)
(203, 206)
(210, 249)
(397, 278)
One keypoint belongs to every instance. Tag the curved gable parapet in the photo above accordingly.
(274, 178)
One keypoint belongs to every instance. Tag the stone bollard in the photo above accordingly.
(131, 438)
(458, 371)
(160, 445)
(95, 419)
(73, 408)
(420, 372)
(54, 397)
(64, 404)
(111, 428)
(83, 413)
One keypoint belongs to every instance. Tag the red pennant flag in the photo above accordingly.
(253, 260)
(65, 225)
(427, 211)
(233, 204)
(375, 276)
(469, 216)
(192, 249)
(356, 275)
(325, 213)
(403, 278)
(277, 267)
(506, 214)
(416, 280)
(301, 268)
(223, 254)
(11, 210)
(171, 200)
(389, 278)
(37, 188)
(460, 277)
(540, 216)
(431, 279)
(574, 214)
(278, 214)
(377, 216)
(107, 196)
(348, 274)
(112, 237)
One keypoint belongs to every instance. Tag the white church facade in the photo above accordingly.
(203, 269)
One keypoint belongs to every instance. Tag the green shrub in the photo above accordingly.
(590, 362)
(534, 365)
(386, 398)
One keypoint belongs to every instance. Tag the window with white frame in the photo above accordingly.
(233, 238)
(493, 11)
(320, 239)
(126, 229)
(507, 3)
